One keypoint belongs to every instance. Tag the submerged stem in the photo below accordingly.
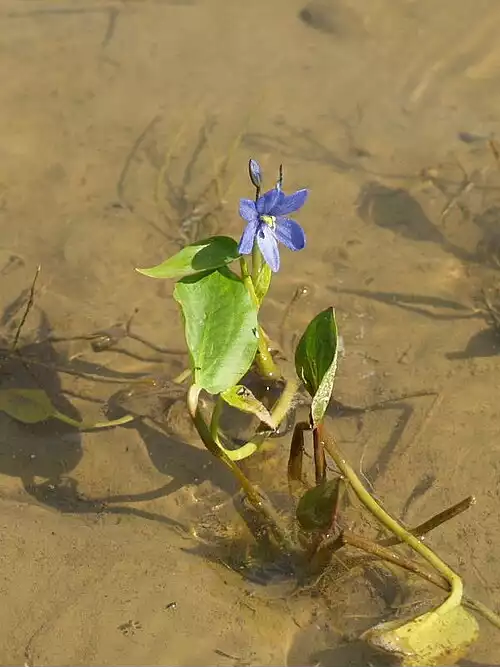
(396, 528)
(88, 426)
(380, 551)
(434, 521)
(214, 422)
(259, 502)
(278, 413)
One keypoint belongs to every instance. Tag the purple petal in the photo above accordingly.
(268, 246)
(248, 237)
(267, 202)
(289, 204)
(290, 233)
(248, 210)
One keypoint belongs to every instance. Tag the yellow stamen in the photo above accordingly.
(269, 220)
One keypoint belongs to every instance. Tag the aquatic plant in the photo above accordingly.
(220, 308)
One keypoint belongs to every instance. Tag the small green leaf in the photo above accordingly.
(263, 281)
(434, 638)
(241, 398)
(28, 406)
(220, 321)
(316, 361)
(203, 255)
(317, 506)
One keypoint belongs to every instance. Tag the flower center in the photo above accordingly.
(269, 220)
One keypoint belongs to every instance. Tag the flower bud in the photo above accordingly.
(255, 173)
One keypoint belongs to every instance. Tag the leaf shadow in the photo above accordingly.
(303, 144)
(185, 464)
(397, 210)
(484, 343)
(48, 449)
(426, 306)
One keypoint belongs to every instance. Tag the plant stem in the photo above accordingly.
(264, 359)
(278, 413)
(433, 522)
(396, 528)
(214, 422)
(256, 262)
(88, 426)
(247, 280)
(384, 553)
(182, 376)
(259, 502)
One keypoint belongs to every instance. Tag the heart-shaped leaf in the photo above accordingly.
(201, 256)
(316, 361)
(28, 406)
(241, 398)
(435, 638)
(316, 508)
(220, 321)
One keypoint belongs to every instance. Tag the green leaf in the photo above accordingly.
(316, 361)
(263, 281)
(241, 398)
(316, 508)
(434, 638)
(220, 321)
(201, 256)
(28, 406)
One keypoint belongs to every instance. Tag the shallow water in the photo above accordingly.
(115, 119)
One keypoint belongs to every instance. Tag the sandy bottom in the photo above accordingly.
(125, 132)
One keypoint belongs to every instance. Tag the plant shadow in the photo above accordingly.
(395, 209)
(47, 449)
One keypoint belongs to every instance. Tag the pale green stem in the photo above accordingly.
(214, 423)
(263, 358)
(397, 529)
(262, 505)
(482, 609)
(182, 376)
(256, 262)
(383, 552)
(278, 413)
(247, 280)
(88, 426)
(285, 401)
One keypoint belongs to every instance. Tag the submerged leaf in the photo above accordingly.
(317, 506)
(220, 320)
(433, 639)
(28, 406)
(241, 398)
(203, 255)
(316, 361)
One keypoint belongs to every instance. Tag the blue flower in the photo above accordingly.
(268, 222)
